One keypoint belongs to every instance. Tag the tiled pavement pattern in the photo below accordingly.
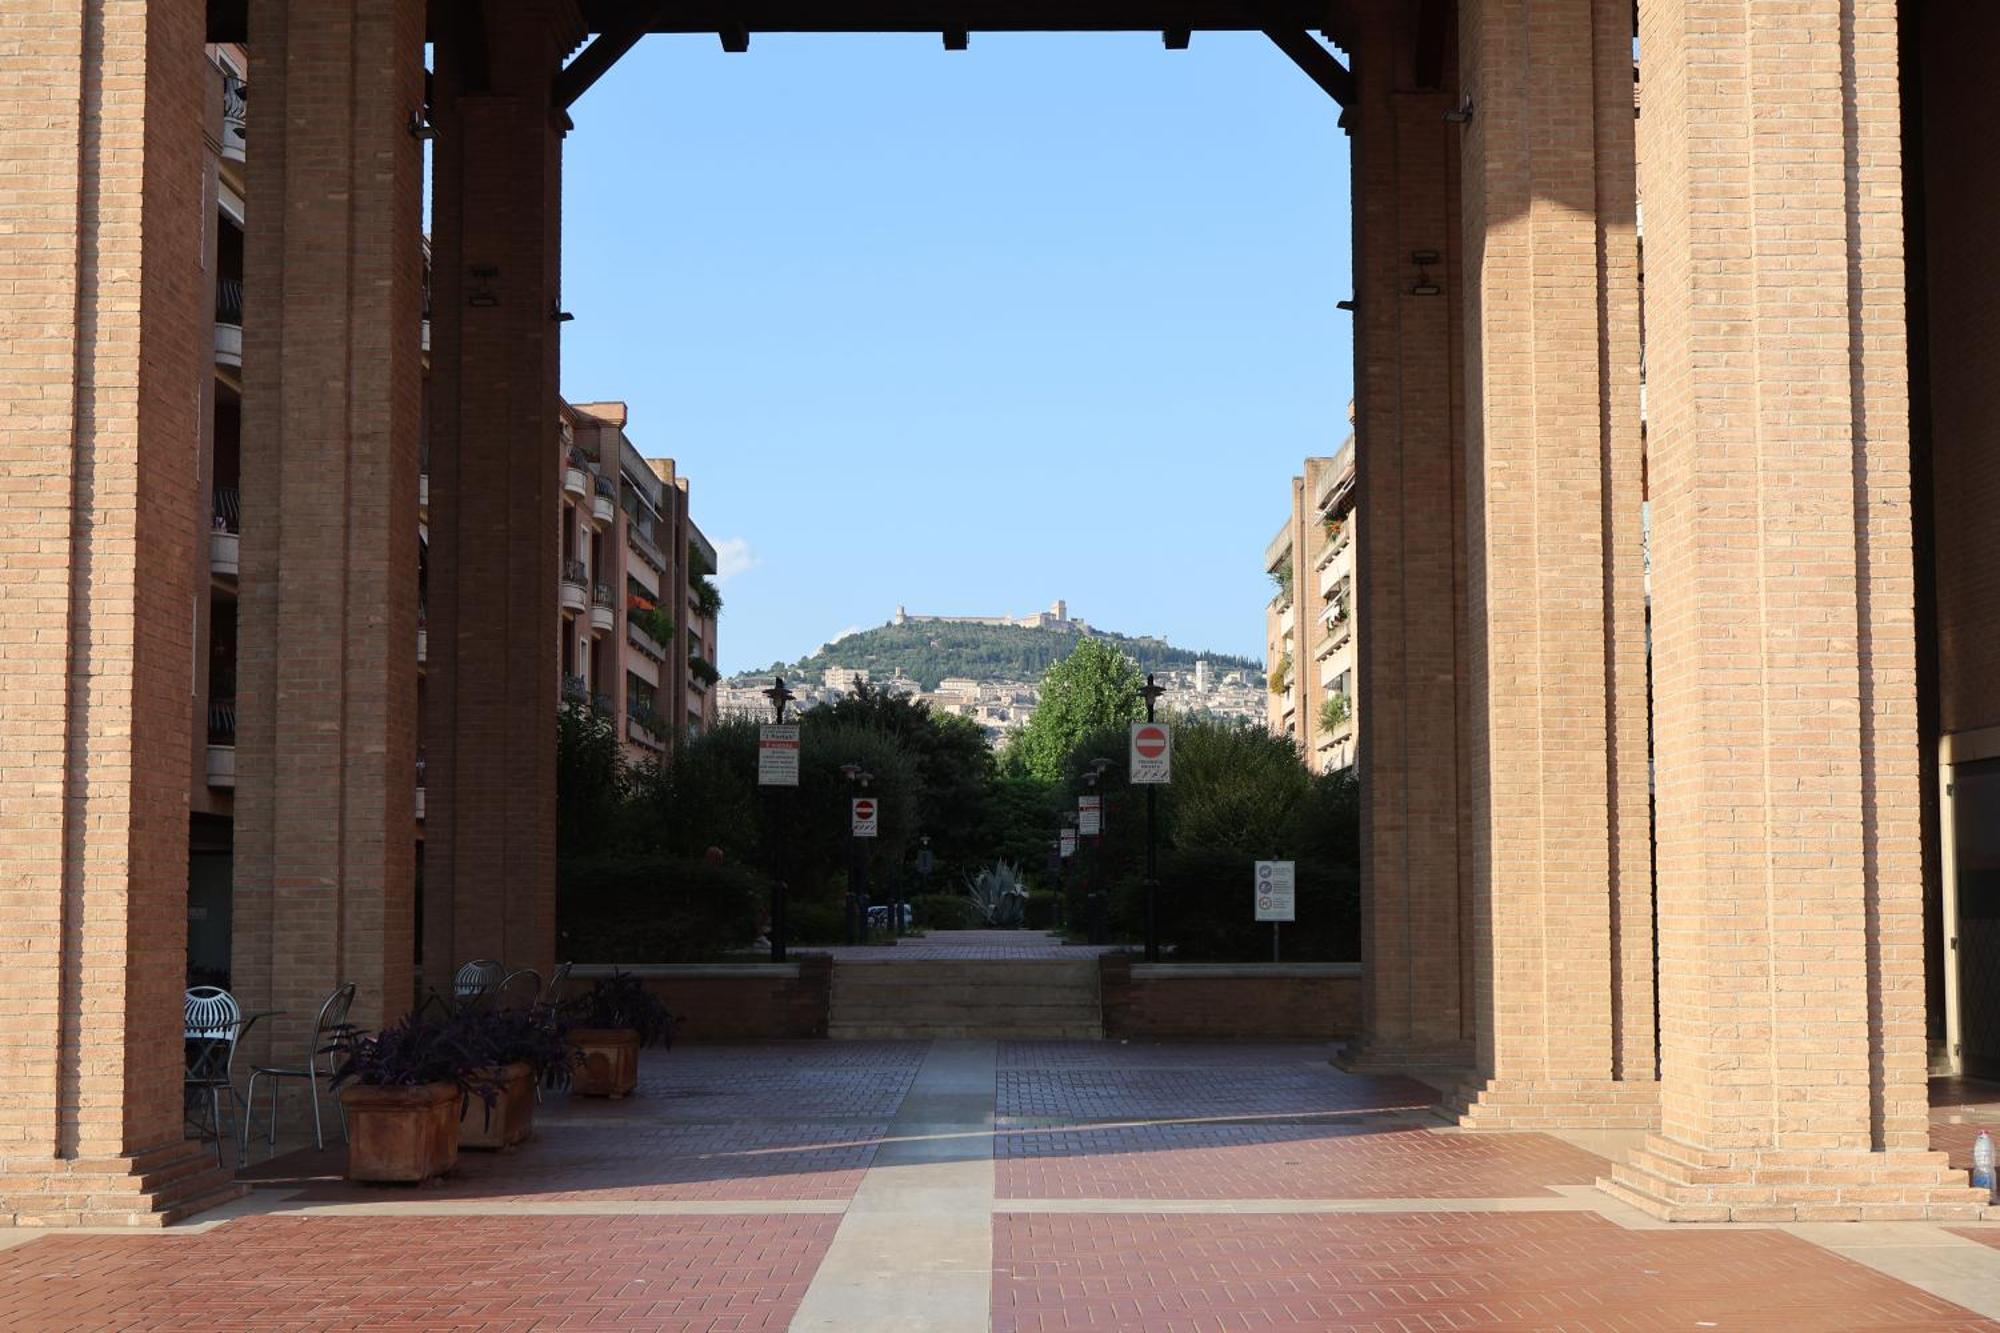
(1431, 1271)
(834, 1186)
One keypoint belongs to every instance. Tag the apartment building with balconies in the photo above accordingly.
(639, 604)
(1309, 623)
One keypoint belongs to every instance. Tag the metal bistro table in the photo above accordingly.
(210, 1058)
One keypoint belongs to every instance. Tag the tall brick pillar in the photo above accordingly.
(101, 301)
(326, 751)
(1415, 936)
(1790, 889)
(489, 848)
(1560, 856)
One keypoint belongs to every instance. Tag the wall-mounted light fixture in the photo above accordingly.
(1424, 286)
(1460, 114)
(956, 39)
(482, 293)
(420, 128)
(1348, 306)
(557, 313)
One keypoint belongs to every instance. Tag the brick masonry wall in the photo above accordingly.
(735, 1002)
(1223, 1002)
(102, 291)
(1412, 708)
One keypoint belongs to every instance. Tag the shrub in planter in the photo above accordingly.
(520, 1047)
(403, 1090)
(608, 1025)
(1041, 909)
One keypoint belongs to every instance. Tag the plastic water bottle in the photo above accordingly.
(1982, 1163)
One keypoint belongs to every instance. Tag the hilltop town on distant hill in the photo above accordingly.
(989, 669)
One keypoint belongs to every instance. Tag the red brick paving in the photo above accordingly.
(1283, 1162)
(498, 1273)
(1193, 1092)
(1408, 1272)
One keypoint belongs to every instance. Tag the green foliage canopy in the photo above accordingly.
(1095, 686)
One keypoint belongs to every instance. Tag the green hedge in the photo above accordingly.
(643, 908)
(944, 911)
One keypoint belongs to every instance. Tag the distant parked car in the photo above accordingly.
(878, 916)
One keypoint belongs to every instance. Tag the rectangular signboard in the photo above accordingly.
(1151, 762)
(1277, 883)
(867, 816)
(1090, 816)
(1069, 842)
(778, 755)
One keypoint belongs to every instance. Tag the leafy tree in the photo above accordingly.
(1095, 686)
(955, 769)
(591, 777)
(928, 651)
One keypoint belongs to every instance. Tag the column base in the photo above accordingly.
(1442, 1065)
(151, 1189)
(1529, 1104)
(1678, 1182)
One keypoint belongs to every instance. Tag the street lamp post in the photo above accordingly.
(1152, 693)
(779, 697)
(923, 879)
(1100, 902)
(858, 779)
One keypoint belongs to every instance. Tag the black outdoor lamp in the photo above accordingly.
(1097, 907)
(779, 697)
(1151, 692)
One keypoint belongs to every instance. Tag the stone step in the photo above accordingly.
(987, 1031)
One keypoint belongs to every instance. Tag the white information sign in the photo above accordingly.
(1277, 883)
(1152, 759)
(1069, 842)
(1090, 816)
(867, 815)
(778, 755)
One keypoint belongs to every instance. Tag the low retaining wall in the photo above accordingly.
(1218, 1001)
(737, 1001)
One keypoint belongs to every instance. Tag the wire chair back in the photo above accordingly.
(523, 984)
(331, 1030)
(477, 979)
(211, 1014)
(551, 997)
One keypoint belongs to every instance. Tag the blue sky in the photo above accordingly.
(967, 331)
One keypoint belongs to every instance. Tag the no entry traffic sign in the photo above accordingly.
(1152, 757)
(866, 816)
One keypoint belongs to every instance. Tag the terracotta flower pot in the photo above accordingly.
(404, 1134)
(510, 1119)
(609, 1065)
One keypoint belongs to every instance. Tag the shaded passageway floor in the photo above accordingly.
(975, 1185)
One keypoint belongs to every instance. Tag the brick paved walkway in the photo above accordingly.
(948, 1186)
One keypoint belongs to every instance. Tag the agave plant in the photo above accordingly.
(998, 895)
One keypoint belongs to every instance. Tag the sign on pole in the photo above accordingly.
(778, 755)
(866, 816)
(1068, 842)
(1152, 758)
(924, 861)
(1090, 815)
(1277, 890)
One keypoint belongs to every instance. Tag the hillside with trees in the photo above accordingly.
(929, 651)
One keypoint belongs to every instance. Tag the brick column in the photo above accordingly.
(489, 868)
(1790, 892)
(326, 752)
(1558, 794)
(101, 292)
(1410, 567)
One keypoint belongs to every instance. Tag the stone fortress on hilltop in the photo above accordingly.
(1056, 618)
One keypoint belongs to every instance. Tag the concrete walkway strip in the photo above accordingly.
(915, 1246)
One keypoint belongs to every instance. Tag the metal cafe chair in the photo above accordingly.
(331, 1031)
(551, 997)
(476, 981)
(523, 982)
(212, 1024)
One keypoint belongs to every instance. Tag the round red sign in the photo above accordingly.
(1152, 743)
(864, 809)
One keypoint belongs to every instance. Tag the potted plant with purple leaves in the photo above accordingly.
(403, 1090)
(608, 1025)
(520, 1047)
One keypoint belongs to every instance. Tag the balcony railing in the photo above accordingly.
(222, 720)
(229, 300)
(228, 509)
(235, 112)
(575, 690)
(574, 572)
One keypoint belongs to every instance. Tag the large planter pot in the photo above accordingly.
(510, 1119)
(401, 1134)
(608, 1061)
